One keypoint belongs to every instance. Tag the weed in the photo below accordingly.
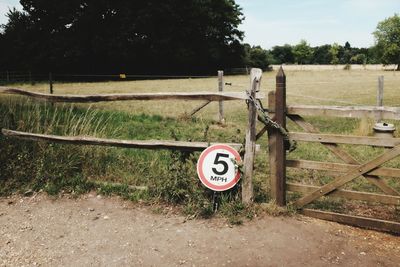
(76, 185)
(234, 209)
(274, 210)
(330, 204)
(178, 183)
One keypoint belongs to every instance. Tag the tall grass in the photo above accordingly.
(41, 117)
(170, 176)
(37, 165)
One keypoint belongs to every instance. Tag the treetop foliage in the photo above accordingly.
(387, 36)
(95, 36)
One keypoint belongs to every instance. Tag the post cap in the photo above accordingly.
(280, 73)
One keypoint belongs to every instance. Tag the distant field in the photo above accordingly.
(373, 67)
(328, 87)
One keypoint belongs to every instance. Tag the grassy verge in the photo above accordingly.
(54, 168)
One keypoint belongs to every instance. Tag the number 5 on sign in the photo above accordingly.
(217, 167)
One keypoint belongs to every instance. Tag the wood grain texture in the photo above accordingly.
(348, 194)
(390, 113)
(250, 144)
(221, 115)
(200, 107)
(276, 143)
(343, 155)
(340, 167)
(379, 95)
(210, 96)
(84, 140)
(351, 175)
(358, 221)
(345, 139)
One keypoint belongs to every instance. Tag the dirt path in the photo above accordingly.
(97, 231)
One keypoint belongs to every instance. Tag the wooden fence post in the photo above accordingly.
(51, 82)
(221, 102)
(30, 77)
(250, 146)
(276, 144)
(379, 96)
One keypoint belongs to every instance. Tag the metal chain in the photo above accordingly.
(264, 118)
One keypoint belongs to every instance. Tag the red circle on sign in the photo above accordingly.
(200, 171)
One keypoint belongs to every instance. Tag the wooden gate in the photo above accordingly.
(371, 170)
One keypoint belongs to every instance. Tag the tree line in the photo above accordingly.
(159, 37)
(123, 36)
(385, 51)
(303, 53)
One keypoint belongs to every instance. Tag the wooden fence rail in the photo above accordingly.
(340, 167)
(343, 173)
(143, 144)
(358, 221)
(349, 194)
(345, 139)
(388, 113)
(210, 96)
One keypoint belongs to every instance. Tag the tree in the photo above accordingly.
(347, 53)
(283, 54)
(359, 59)
(256, 57)
(387, 37)
(373, 56)
(302, 53)
(322, 55)
(334, 51)
(113, 36)
(13, 41)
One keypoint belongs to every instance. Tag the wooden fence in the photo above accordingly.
(220, 96)
(350, 169)
(7, 77)
(347, 171)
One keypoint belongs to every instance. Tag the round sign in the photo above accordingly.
(217, 167)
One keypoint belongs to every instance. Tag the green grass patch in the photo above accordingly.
(56, 168)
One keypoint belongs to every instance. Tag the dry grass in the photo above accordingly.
(342, 87)
(305, 87)
(165, 108)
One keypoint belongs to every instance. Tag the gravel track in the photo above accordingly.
(100, 231)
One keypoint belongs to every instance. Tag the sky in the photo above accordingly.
(276, 22)
(5, 5)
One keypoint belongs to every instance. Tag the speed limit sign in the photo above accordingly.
(217, 167)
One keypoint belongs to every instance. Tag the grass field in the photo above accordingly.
(172, 175)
